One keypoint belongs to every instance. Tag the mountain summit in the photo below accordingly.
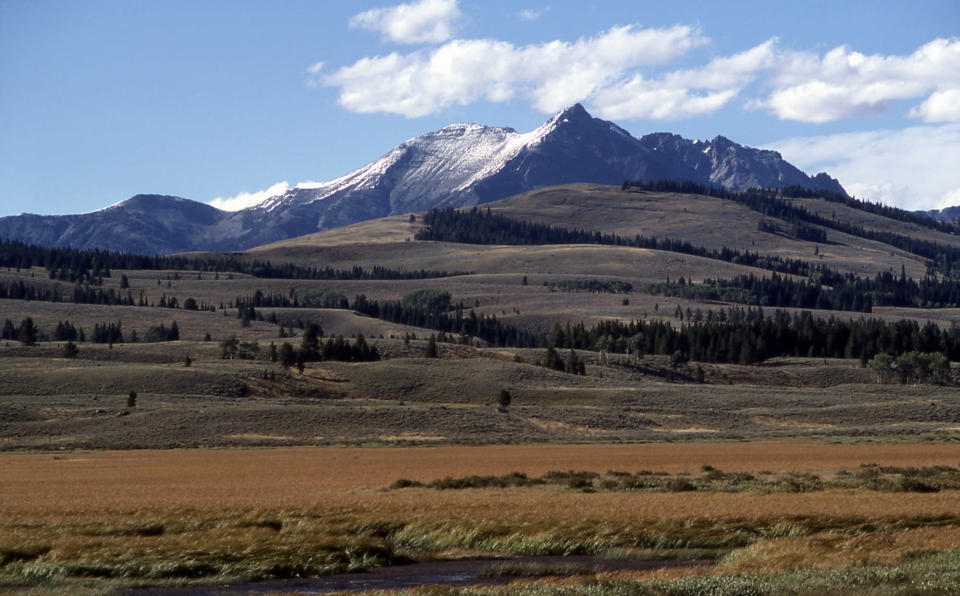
(459, 165)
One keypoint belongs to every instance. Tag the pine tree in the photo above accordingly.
(27, 333)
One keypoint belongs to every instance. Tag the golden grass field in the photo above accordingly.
(98, 520)
(304, 476)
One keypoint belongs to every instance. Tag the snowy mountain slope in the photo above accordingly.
(458, 165)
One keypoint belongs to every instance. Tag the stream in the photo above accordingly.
(459, 572)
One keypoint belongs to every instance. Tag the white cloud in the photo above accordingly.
(529, 14)
(950, 198)
(249, 199)
(315, 68)
(674, 95)
(425, 21)
(942, 106)
(846, 84)
(551, 75)
(913, 168)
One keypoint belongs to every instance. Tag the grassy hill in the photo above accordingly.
(48, 401)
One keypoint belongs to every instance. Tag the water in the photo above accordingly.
(460, 572)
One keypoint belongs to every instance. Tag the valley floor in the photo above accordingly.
(92, 521)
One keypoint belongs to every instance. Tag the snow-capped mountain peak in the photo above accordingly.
(458, 165)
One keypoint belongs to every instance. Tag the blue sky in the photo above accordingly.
(228, 102)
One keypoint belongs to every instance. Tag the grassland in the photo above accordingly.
(201, 498)
(88, 519)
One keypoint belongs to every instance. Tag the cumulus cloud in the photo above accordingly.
(425, 21)
(551, 75)
(249, 199)
(844, 83)
(913, 168)
(685, 93)
(942, 106)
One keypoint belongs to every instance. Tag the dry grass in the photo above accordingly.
(303, 477)
(836, 549)
(156, 516)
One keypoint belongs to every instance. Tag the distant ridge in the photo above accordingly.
(458, 165)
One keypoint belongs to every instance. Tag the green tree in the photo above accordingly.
(229, 347)
(574, 365)
(939, 368)
(70, 350)
(9, 331)
(430, 300)
(27, 334)
(882, 365)
(288, 356)
(432, 351)
(503, 400)
(310, 344)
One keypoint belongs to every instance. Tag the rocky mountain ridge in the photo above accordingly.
(459, 165)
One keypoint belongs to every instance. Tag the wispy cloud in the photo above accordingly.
(530, 14)
(914, 168)
(249, 199)
(425, 21)
(551, 75)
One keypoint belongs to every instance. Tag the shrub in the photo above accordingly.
(70, 350)
(132, 399)
(679, 485)
(504, 399)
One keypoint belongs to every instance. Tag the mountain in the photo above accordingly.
(459, 165)
(144, 224)
(947, 214)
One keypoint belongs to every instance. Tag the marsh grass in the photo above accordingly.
(259, 514)
(931, 573)
(871, 477)
(214, 547)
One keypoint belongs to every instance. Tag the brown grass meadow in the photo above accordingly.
(87, 519)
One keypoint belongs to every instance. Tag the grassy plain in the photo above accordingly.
(88, 519)
(193, 502)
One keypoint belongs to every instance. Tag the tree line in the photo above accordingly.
(943, 258)
(746, 336)
(596, 286)
(29, 333)
(799, 192)
(92, 265)
(844, 292)
(477, 226)
(80, 294)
